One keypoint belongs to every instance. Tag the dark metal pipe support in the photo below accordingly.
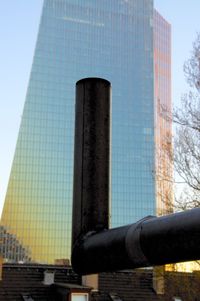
(91, 157)
(151, 241)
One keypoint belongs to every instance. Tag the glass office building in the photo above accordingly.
(112, 39)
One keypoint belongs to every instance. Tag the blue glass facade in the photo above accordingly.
(112, 39)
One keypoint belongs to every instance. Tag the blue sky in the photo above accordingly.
(19, 21)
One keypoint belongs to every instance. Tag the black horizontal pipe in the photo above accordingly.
(149, 242)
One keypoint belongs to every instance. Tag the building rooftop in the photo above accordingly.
(26, 282)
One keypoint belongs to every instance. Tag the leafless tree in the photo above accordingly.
(187, 134)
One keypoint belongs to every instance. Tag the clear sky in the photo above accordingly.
(19, 22)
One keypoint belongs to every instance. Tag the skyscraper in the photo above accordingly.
(112, 39)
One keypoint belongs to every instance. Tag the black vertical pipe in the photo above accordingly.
(91, 157)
